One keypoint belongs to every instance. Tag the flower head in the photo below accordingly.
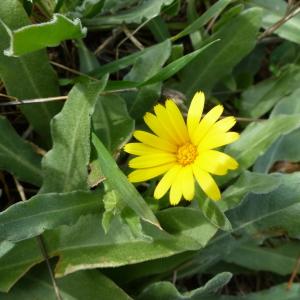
(183, 152)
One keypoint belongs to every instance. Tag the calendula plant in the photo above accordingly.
(183, 151)
(204, 95)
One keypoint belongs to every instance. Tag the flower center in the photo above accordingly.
(186, 154)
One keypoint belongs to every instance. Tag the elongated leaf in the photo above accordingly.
(280, 259)
(166, 290)
(211, 66)
(17, 156)
(27, 77)
(289, 30)
(257, 138)
(176, 66)
(145, 67)
(124, 62)
(111, 122)
(85, 245)
(285, 148)
(65, 166)
(45, 211)
(277, 292)
(214, 10)
(80, 285)
(248, 182)
(260, 98)
(257, 216)
(144, 11)
(121, 185)
(49, 34)
(211, 211)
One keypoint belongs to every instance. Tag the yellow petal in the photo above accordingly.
(158, 127)
(154, 141)
(222, 125)
(205, 124)
(195, 112)
(216, 162)
(164, 119)
(188, 182)
(177, 120)
(140, 149)
(176, 191)
(207, 183)
(146, 174)
(152, 160)
(166, 182)
(217, 140)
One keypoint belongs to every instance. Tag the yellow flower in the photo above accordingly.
(183, 151)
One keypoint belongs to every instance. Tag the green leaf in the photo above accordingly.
(285, 148)
(147, 9)
(118, 181)
(27, 77)
(248, 182)
(167, 291)
(65, 165)
(49, 34)
(85, 245)
(126, 61)
(17, 156)
(257, 138)
(260, 98)
(213, 11)
(176, 65)
(87, 60)
(80, 285)
(277, 292)
(145, 67)
(211, 211)
(159, 29)
(213, 65)
(111, 122)
(280, 259)
(30, 218)
(289, 30)
(258, 216)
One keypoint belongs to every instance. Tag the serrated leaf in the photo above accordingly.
(30, 218)
(211, 66)
(85, 245)
(65, 165)
(118, 181)
(49, 34)
(27, 77)
(17, 156)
